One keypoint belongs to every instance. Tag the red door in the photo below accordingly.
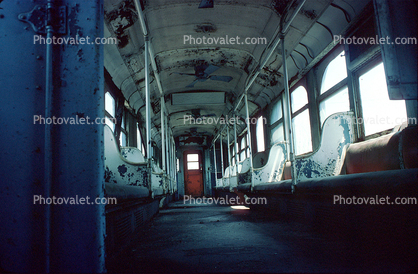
(193, 175)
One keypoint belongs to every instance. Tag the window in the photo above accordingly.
(138, 140)
(123, 132)
(122, 139)
(276, 112)
(193, 161)
(277, 134)
(379, 113)
(334, 88)
(302, 133)
(110, 110)
(299, 98)
(243, 146)
(301, 123)
(260, 134)
(276, 122)
(233, 154)
(335, 72)
(334, 103)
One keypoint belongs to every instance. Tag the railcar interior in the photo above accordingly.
(209, 136)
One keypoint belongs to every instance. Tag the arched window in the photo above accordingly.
(335, 72)
(334, 91)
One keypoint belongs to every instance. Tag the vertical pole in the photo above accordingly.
(48, 144)
(249, 137)
(222, 157)
(174, 165)
(169, 152)
(147, 101)
(229, 151)
(167, 146)
(236, 142)
(288, 116)
(163, 134)
(214, 161)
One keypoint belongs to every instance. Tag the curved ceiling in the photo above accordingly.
(173, 24)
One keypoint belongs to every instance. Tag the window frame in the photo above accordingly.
(356, 74)
(344, 83)
(300, 111)
(273, 125)
(245, 148)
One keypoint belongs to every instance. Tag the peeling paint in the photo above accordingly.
(337, 132)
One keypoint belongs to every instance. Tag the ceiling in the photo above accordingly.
(170, 22)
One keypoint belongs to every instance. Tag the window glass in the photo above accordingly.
(122, 139)
(277, 134)
(379, 113)
(302, 133)
(123, 122)
(260, 134)
(335, 72)
(192, 157)
(299, 98)
(276, 112)
(138, 139)
(243, 145)
(110, 105)
(192, 161)
(337, 102)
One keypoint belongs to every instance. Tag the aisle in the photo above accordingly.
(210, 238)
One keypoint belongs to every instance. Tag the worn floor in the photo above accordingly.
(210, 238)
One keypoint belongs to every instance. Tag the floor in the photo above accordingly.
(209, 238)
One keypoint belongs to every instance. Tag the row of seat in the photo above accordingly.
(127, 173)
(327, 160)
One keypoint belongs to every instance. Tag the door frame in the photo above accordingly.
(200, 153)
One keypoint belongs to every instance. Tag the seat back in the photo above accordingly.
(120, 170)
(227, 172)
(260, 159)
(272, 171)
(328, 159)
(244, 166)
(396, 150)
(132, 154)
